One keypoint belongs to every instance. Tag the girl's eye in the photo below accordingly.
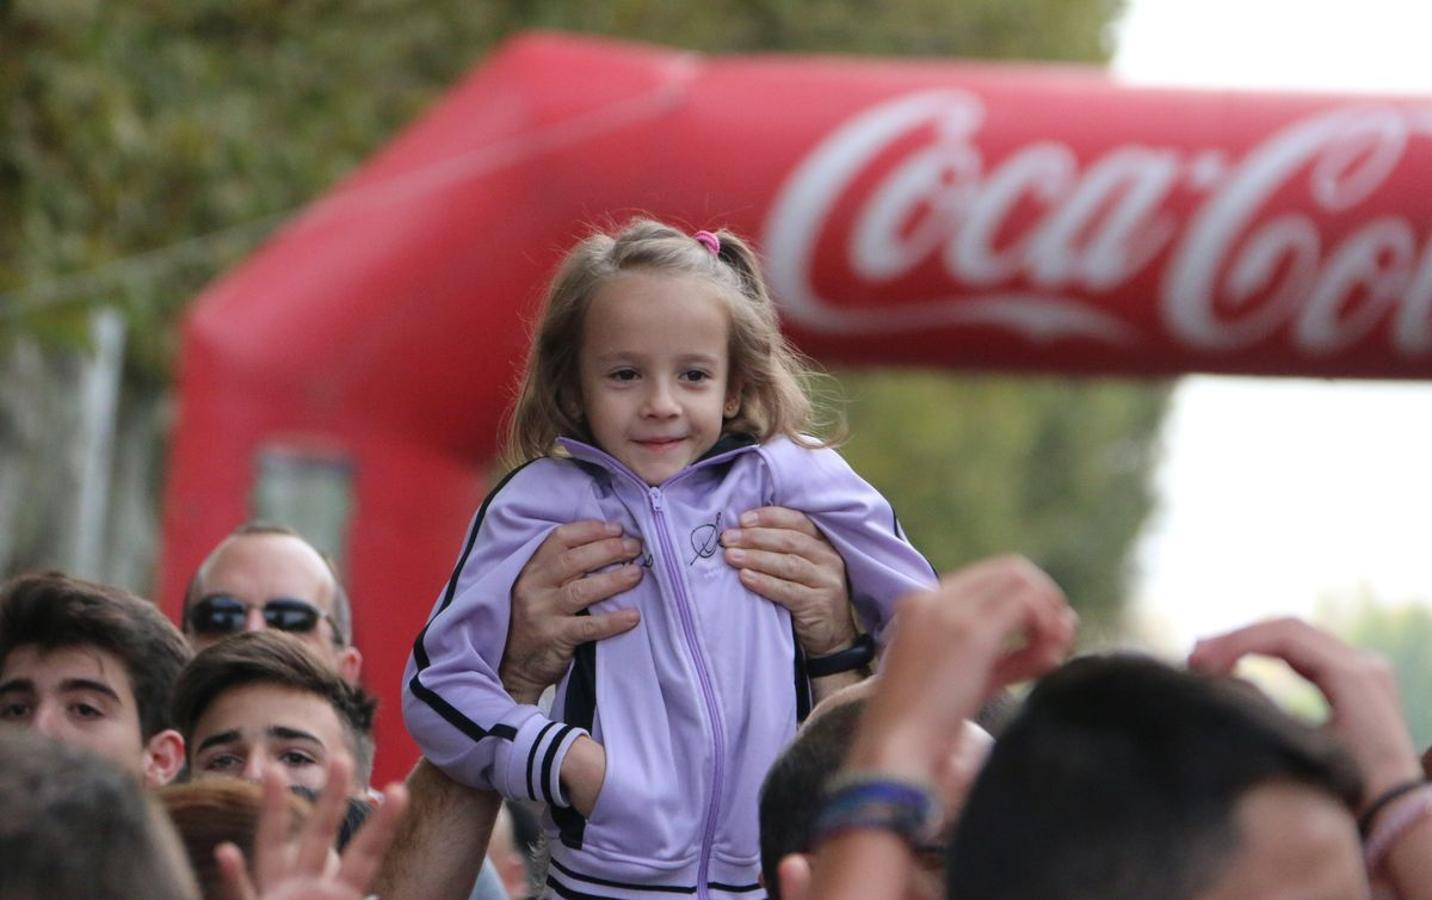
(624, 375)
(696, 375)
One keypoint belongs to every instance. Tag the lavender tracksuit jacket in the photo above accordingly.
(692, 706)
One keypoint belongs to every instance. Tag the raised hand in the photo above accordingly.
(305, 866)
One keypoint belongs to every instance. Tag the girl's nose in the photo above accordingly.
(660, 401)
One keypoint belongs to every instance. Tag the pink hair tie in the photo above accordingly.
(709, 241)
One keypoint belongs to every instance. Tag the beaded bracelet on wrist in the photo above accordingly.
(870, 800)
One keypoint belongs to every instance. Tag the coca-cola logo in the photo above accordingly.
(1236, 267)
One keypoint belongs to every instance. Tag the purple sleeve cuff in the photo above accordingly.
(530, 766)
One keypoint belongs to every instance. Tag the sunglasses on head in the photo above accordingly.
(223, 614)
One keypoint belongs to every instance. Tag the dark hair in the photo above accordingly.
(51, 610)
(218, 810)
(1118, 780)
(272, 657)
(77, 827)
(342, 607)
(794, 789)
(793, 792)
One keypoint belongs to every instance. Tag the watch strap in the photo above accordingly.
(859, 654)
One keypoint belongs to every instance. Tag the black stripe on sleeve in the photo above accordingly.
(532, 758)
(547, 759)
(446, 710)
(900, 533)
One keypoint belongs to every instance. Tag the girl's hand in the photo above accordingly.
(584, 769)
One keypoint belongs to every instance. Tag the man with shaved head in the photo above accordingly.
(266, 576)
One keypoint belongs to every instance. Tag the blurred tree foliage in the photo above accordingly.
(145, 145)
(1401, 632)
(1056, 470)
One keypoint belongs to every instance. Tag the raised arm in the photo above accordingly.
(1365, 713)
(988, 625)
(440, 844)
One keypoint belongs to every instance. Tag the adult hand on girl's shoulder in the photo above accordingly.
(558, 583)
(782, 556)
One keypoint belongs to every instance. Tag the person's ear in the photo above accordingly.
(733, 400)
(793, 873)
(163, 758)
(569, 401)
(350, 663)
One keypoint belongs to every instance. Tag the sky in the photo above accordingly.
(1275, 493)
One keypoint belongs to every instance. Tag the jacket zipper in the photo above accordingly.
(688, 627)
(718, 731)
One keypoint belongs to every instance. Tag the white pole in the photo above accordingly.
(99, 408)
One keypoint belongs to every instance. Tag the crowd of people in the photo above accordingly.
(787, 702)
(141, 768)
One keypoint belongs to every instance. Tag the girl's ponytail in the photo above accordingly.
(775, 377)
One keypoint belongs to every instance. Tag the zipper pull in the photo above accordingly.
(654, 494)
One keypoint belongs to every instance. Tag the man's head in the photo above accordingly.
(91, 666)
(793, 793)
(262, 699)
(269, 577)
(77, 827)
(794, 789)
(1124, 778)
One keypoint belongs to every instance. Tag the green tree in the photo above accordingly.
(146, 145)
(1401, 632)
(1056, 470)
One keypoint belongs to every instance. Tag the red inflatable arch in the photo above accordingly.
(911, 213)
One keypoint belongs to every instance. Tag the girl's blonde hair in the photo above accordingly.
(769, 370)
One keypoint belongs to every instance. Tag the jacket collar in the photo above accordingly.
(728, 446)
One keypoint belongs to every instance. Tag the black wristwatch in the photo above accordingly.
(856, 656)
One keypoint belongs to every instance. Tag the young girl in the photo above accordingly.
(659, 394)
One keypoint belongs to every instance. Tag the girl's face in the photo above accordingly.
(654, 370)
